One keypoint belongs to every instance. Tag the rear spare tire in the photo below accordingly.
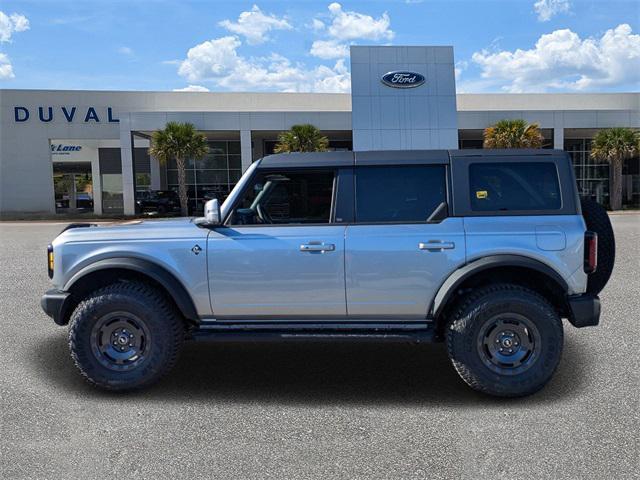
(597, 220)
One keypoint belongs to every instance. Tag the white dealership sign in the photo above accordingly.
(73, 150)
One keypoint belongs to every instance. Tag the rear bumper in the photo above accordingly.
(56, 303)
(584, 310)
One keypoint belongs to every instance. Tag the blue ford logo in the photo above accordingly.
(402, 79)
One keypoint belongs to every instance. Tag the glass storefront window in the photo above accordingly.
(171, 164)
(112, 201)
(212, 161)
(235, 162)
(73, 187)
(631, 182)
(172, 177)
(211, 177)
(234, 148)
(592, 176)
(143, 181)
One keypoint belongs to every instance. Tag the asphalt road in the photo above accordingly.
(314, 411)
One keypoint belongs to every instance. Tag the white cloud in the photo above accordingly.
(460, 67)
(218, 61)
(211, 59)
(192, 88)
(10, 24)
(562, 60)
(347, 25)
(6, 70)
(329, 49)
(332, 80)
(254, 25)
(317, 25)
(128, 51)
(546, 9)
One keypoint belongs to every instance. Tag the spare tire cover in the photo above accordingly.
(597, 220)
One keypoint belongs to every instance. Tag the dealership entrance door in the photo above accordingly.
(73, 187)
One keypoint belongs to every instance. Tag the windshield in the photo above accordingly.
(224, 209)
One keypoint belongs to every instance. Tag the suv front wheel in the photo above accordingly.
(505, 340)
(125, 336)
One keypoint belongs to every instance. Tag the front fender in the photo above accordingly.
(169, 282)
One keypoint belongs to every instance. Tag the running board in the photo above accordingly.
(412, 332)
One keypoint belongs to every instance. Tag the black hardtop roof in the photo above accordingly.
(390, 157)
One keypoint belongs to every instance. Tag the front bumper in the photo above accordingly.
(57, 304)
(584, 310)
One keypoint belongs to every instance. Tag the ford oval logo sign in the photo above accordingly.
(402, 79)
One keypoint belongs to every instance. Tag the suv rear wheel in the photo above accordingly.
(505, 340)
(125, 336)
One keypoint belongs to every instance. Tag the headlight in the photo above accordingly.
(50, 261)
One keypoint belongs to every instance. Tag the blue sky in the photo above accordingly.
(500, 46)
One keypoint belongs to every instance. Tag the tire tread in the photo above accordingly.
(142, 292)
(463, 315)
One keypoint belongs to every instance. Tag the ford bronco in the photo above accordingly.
(486, 250)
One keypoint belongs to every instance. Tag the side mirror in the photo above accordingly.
(212, 214)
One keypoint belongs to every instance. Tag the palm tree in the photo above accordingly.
(179, 141)
(301, 138)
(513, 134)
(615, 145)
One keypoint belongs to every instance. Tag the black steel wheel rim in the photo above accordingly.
(120, 341)
(509, 343)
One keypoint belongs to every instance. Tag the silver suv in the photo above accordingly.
(486, 250)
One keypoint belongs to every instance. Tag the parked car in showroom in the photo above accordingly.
(161, 202)
(84, 201)
(486, 250)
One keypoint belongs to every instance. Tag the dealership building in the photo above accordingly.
(79, 151)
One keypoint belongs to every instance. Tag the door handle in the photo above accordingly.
(317, 247)
(436, 245)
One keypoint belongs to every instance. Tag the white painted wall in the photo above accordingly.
(26, 183)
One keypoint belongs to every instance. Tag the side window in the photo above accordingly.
(398, 193)
(514, 186)
(286, 197)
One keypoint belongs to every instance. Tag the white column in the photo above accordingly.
(96, 184)
(558, 138)
(245, 149)
(126, 157)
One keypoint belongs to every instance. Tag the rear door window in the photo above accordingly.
(398, 194)
(506, 186)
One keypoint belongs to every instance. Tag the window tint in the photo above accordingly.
(514, 186)
(398, 194)
(285, 198)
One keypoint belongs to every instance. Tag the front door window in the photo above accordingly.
(291, 197)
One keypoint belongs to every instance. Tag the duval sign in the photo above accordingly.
(67, 113)
(402, 79)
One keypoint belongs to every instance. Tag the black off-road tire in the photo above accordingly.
(597, 220)
(468, 334)
(127, 308)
